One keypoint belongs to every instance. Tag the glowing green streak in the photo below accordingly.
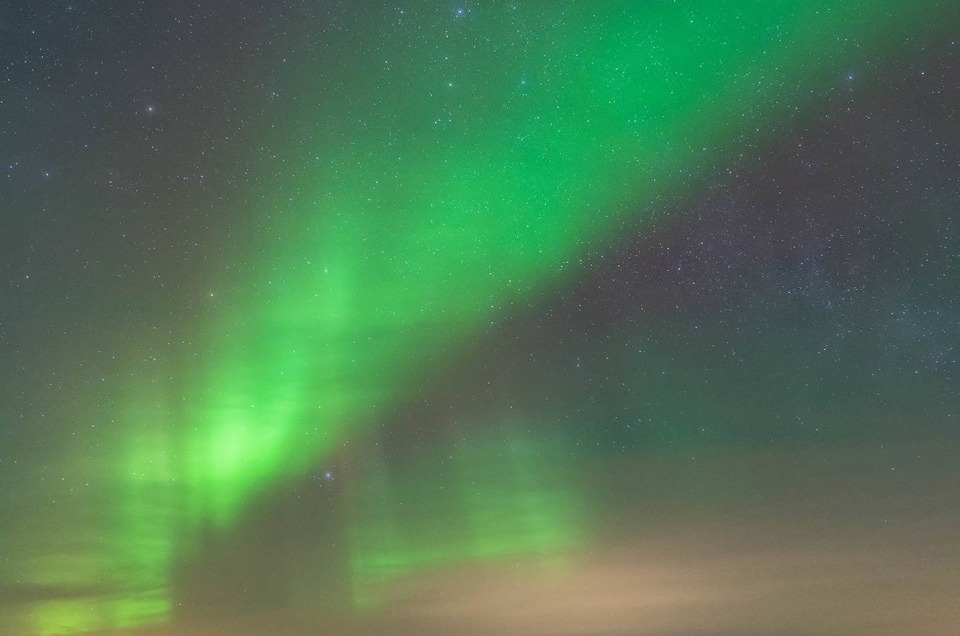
(431, 203)
(464, 196)
(113, 564)
(427, 196)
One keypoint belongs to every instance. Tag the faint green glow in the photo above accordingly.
(508, 496)
(119, 566)
(71, 616)
(98, 613)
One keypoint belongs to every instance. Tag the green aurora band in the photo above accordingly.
(423, 210)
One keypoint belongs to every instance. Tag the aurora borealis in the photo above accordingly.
(633, 317)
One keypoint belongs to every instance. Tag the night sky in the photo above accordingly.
(428, 318)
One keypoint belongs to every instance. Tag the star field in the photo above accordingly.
(479, 317)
